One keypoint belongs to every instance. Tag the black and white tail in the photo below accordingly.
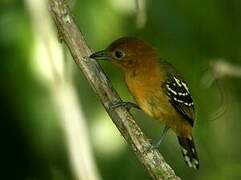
(189, 151)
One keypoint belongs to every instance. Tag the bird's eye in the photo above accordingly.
(119, 54)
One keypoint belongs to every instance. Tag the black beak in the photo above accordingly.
(100, 55)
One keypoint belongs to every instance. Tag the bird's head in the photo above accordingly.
(127, 53)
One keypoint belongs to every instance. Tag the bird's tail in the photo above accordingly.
(189, 151)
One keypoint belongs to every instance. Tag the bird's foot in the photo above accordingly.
(127, 105)
(150, 147)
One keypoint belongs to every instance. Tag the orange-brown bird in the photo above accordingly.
(159, 90)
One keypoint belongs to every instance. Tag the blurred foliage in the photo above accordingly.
(187, 33)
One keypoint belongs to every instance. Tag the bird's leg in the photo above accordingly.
(163, 135)
(127, 105)
(160, 139)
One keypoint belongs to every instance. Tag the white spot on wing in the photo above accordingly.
(177, 81)
(194, 166)
(187, 159)
(182, 94)
(169, 89)
(189, 163)
(181, 101)
(184, 151)
(195, 162)
(185, 86)
(178, 100)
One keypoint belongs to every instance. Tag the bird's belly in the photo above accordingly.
(148, 96)
(155, 106)
(152, 101)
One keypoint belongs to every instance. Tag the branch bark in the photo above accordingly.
(152, 160)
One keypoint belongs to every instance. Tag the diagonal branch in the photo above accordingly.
(152, 160)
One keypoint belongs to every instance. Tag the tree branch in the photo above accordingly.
(141, 17)
(222, 68)
(48, 57)
(152, 160)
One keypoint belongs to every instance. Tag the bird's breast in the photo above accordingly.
(149, 95)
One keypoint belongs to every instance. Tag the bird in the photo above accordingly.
(158, 89)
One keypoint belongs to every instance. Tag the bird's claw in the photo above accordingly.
(127, 105)
(149, 147)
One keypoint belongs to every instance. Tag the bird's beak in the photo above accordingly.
(100, 55)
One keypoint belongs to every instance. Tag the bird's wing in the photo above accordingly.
(179, 96)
